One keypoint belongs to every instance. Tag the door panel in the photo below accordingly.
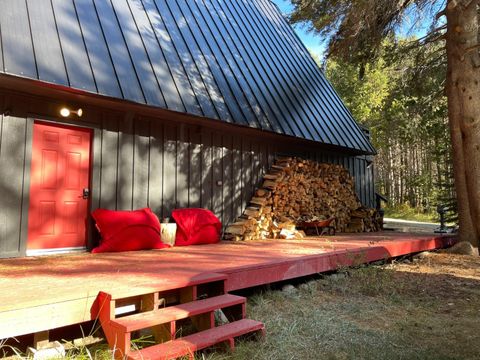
(60, 171)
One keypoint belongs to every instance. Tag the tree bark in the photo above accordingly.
(463, 89)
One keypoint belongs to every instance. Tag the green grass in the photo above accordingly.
(405, 212)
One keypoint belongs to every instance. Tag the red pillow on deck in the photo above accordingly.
(127, 230)
(196, 226)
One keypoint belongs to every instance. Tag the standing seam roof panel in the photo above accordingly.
(320, 102)
(140, 60)
(77, 63)
(235, 61)
(18, 55)
(296, 86)
(301, 50)
(166, 45)
(209, 80)
(46, 44)
(188, 62)
(335, 116)
(286, 84)
(103, 71)
(160, 68)
(283, 98)
(237, 85)
(355, 129)
(218, 64)
(119, 53)
(289, 127)
(220, 89)
(243, 57)
(356, 132)
(314, 97)
(244, 75)
(306, 59)
(230, 69)
(300, 86)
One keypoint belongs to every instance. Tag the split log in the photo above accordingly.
(298, 191)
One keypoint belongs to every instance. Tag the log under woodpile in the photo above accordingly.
(297, 191)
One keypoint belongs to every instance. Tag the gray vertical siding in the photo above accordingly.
(162, 165)
(15, 154)
(165, 166)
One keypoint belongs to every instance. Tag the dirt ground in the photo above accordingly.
(425, 307)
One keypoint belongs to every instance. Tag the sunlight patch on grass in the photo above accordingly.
(405, 212)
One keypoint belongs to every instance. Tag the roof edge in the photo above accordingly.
(32, 87)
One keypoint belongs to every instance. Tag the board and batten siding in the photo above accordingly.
(139, 162)
(164, 166)
(15, 155)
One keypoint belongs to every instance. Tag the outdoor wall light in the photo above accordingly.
(66, 112)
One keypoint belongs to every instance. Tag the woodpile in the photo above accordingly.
(296, 191)
(364, 220)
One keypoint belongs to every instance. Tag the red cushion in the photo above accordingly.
(127, 230)
(196, 226)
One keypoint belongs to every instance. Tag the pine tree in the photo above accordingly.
(355, 30)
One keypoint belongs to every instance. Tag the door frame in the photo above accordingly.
(94, 137)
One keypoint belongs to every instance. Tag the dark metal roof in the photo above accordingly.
(233, 60)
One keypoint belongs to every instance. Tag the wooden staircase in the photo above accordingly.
(181, 319)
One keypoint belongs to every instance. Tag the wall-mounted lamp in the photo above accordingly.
(66, 112)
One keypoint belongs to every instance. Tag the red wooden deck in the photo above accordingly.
(43, 293)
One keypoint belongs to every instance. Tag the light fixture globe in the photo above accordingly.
(65, 112)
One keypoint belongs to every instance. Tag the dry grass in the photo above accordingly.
(428, 309)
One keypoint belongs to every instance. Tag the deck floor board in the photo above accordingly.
(51, 286)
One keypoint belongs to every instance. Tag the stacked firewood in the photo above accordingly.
(364, 220)
(297, 191)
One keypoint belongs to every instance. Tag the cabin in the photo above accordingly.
(165, 104)
(154, 103)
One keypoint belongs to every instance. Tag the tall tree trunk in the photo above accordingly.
(463, 89)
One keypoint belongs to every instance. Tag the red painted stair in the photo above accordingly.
(162, 316)
(187, 345)
(165, 311)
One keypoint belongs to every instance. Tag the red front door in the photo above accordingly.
(59, 174)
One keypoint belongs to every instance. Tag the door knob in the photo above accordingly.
(86, 193)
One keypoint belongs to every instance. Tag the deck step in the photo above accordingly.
(200, 279)
(201, 340)
(151, 318)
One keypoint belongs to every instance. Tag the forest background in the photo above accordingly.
(400, 98)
